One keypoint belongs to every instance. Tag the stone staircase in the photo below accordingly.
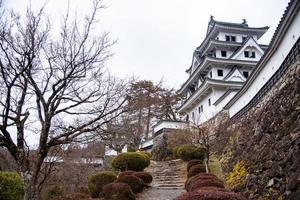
(168, 180)
(168, 175)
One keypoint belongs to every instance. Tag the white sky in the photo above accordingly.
(156, 38)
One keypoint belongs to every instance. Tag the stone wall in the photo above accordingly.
(267, 139)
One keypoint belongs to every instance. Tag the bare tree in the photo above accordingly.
(54, 86)
(118, 133)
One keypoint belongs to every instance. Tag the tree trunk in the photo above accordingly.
(30, 190)
(148, 122)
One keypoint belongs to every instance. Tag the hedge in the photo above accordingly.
(130, 161)
(97, 181)
(11, 186)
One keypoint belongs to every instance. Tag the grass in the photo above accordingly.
(214, 167)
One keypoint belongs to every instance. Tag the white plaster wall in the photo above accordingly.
(228, 54)
(221, 105)
(208, 111)
(271, 67)
(239, 37)
(166, 124)
(215, 72)
(258, 54)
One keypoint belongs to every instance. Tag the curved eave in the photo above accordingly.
(204, 88)
(284, 23)
(221, 44)
(214, 31)
(209, 60)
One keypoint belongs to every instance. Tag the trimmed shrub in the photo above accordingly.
(118, 191)
(146, 153)
(199, 176)
(11, 186)
(210, 194)
(175, 152)
(200, 183)
(146, 157)
(190, 152)
(126, 173)
(97, 181)
(186, 152)
(135, 183)
(199, 153)
(196, 169)
(130, 161)
(145, 176)
(192, 163)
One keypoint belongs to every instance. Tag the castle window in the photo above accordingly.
(200, 109)
(230, 38)
(253, 54)
(210, 74)
(193, 115)
(227, 38)
(220, 72)
(209, 103)
(246, 54)
(244, 38)
(223, 53)
(246, 74)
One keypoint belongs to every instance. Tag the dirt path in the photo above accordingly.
(168, 180)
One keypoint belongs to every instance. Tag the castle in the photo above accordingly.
(220, 66)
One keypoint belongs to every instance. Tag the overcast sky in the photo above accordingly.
(156, 38)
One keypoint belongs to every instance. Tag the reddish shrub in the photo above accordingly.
(210, 194)
(199, 183)
(192, 163)
(126, 173)
(199, 176)
(134, 182)
(196, 169)
(118, 191)
(146, 177)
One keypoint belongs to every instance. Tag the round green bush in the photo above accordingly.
(189, 152)
(146, 153)
(196, 169)
(135, 183)
(11, 186)
(186, 152)
(97, 181)
(192, 163)
(199, 153)
(130, 161)
(146, 158)
(118, 191)
(145, 176)
(175, 152)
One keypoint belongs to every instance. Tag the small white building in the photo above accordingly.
(220, 66)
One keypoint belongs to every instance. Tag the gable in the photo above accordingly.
(251, 46)
(235, 75)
